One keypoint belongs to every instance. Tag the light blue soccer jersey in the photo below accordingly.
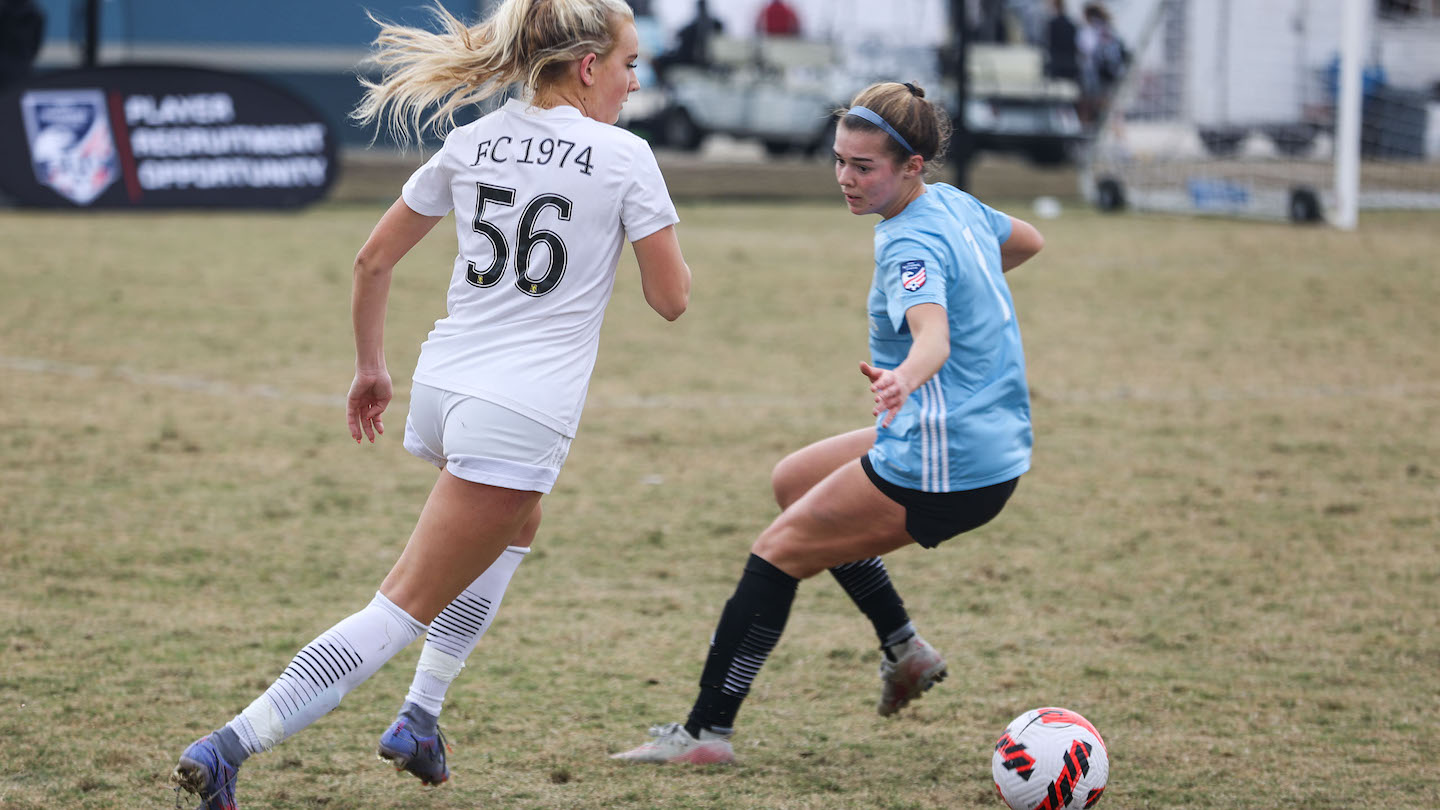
(969, 425)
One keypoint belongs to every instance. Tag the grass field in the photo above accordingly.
(1225, 555)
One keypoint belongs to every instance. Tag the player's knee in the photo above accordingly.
(786, 549)
(526, 536)
(764, 546)
(787, 482)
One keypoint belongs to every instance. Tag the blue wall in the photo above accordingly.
(283, 28)
(275, 22)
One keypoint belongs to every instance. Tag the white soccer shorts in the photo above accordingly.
(480, 441)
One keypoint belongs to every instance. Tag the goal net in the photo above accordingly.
(1306, 110)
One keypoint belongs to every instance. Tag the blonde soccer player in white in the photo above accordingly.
(545, 192)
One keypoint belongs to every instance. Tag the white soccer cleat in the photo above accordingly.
(672, 743)
(916, 668)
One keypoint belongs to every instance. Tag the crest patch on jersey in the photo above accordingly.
(912, 275)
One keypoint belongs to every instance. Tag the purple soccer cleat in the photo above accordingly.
(202, 770)
(408, 751)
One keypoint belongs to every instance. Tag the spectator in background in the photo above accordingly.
(1062, 60)
(778, 19)
(22, 28)
(988, 21)
(1103, 60)
(692, 43)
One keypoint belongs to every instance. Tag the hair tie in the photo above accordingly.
(914, 91)
(874, 118)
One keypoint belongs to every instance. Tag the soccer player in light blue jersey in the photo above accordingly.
(952, 421)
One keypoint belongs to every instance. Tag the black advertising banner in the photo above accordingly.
(158, 136)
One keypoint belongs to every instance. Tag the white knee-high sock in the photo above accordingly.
(323, 671)
(455, 632)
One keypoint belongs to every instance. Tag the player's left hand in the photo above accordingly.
(890, 390)
(369, 396)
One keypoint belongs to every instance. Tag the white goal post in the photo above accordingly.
(1307, 110)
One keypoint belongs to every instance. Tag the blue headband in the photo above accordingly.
(874, 118)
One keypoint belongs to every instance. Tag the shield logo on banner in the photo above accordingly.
(71, 147)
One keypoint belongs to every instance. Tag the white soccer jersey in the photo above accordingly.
(543, 201)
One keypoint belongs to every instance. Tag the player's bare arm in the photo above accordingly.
(930, 327)
(664, 276)
(393, 236)
(1024, 242)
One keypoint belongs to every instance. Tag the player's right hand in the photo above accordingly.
(890, 390)
(370, 394)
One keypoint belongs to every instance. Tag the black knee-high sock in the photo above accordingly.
(868, 584)
(749, 628)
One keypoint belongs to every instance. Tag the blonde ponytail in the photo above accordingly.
(428, 76)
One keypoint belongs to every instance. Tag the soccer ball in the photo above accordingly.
(1049, 759)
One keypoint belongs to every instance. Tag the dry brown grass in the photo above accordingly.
(1225, 555)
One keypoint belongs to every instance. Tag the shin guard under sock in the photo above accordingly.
(455, 632)
(868, 584)
(750, 626)
(323, 671)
